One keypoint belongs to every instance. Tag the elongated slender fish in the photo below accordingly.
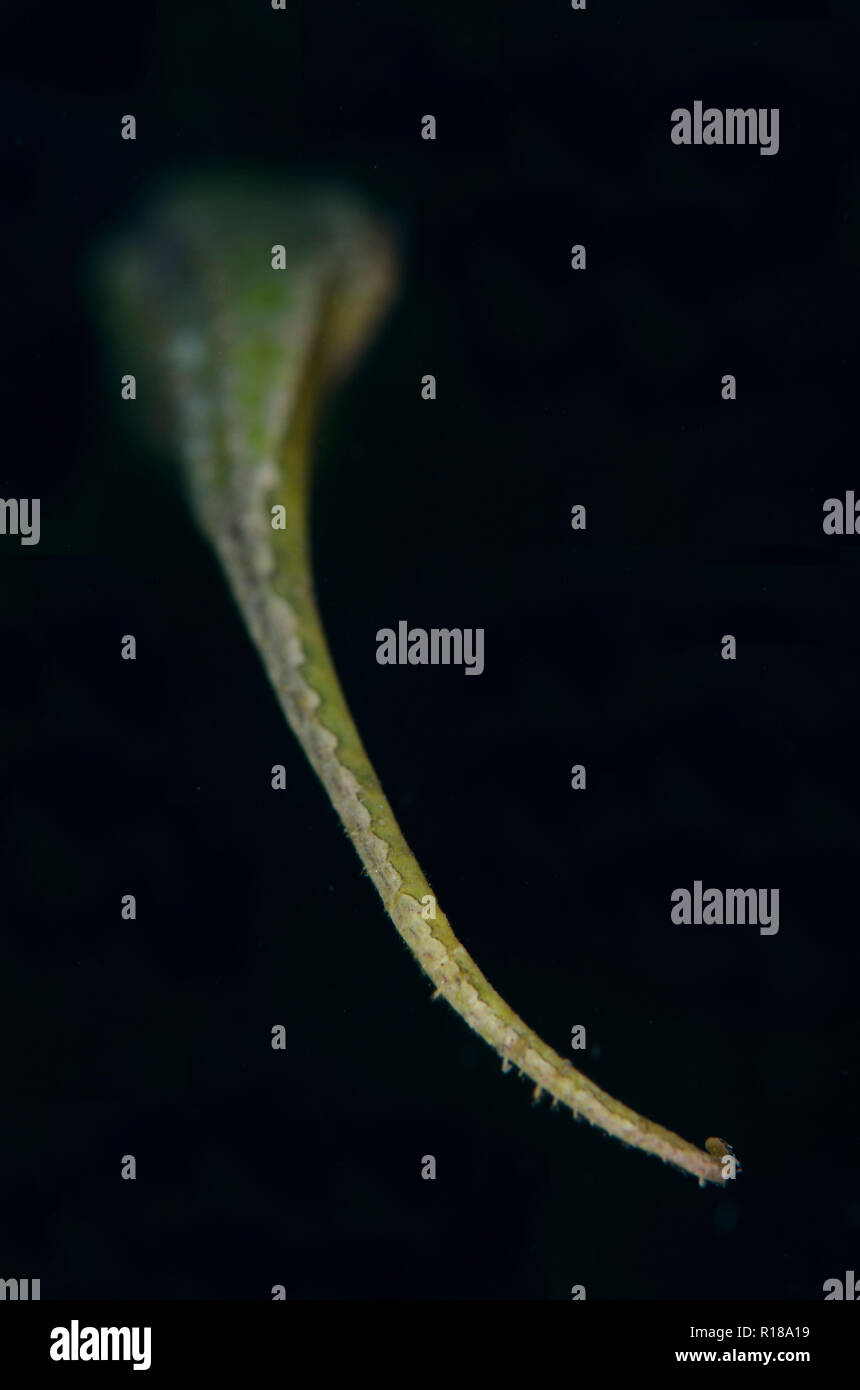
(237, 305)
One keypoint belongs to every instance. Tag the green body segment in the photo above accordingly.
(237, 354)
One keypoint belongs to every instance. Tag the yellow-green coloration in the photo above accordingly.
(241, 354)
(720, 1150)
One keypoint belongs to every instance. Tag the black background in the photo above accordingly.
(302, 1168)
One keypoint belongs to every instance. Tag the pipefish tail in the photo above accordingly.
(238, 306)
